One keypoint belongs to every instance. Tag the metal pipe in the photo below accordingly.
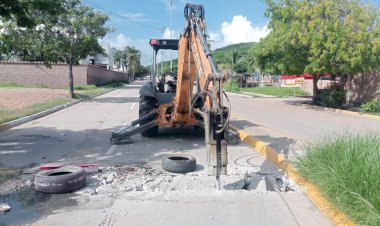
(206, 48)
(155, 69)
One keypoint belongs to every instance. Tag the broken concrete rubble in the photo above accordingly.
(4, 207)
(131, 179)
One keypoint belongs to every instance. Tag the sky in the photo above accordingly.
(137, 21)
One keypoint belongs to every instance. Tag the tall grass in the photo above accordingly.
(346, 168)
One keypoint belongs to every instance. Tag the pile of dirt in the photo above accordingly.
(23, 97)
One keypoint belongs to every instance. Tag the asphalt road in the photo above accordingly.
(80, 134)
(284, 117)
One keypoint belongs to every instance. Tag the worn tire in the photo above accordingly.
(62, 180)
(178, 163)
(146, 105)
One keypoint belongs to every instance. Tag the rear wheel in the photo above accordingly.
(147, 104)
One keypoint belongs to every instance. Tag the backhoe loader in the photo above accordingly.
(193, 96)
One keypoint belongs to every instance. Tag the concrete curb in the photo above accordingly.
(260, 95)
(247, 94)
(238, 94)
(17, 122)
(311, 190)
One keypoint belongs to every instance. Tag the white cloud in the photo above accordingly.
(215, 39)
(239, 30)
(168, 35)
(130, 17)
(242, 30)
(134, 16)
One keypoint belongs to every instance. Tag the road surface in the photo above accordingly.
(139, 192)
(284, 116)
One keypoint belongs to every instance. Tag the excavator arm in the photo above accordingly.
(195, 63)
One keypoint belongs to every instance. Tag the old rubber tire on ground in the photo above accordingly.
(62, 180)
(178, 163)
(147, 104)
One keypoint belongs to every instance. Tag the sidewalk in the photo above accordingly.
(282, 151)
(285, 147)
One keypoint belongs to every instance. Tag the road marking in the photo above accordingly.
(133, 105)
(111, 150)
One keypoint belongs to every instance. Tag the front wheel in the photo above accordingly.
(147, 104)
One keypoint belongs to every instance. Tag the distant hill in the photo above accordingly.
(231, 55)
(224, 57)
(241, 48)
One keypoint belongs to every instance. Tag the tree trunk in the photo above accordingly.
(129, 76)
(71, 80)
(315, 89)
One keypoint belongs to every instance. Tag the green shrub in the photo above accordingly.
(232, 86)
(334, 96)
(371, 106)
(84, 87)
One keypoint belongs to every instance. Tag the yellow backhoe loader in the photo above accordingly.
(193, 96)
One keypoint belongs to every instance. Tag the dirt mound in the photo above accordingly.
(23, 97)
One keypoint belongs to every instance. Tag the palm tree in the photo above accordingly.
(132, 59)
(118, 57)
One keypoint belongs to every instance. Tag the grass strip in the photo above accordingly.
(17, 85)
(80, 92)
(7, 115)
(87, 91)
(276, 91)
(346, 168)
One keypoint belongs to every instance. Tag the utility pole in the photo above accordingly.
(171, 33)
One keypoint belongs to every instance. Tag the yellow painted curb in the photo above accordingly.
(312, 191)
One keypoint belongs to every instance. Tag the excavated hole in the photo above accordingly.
(59, 173)
(254, 182)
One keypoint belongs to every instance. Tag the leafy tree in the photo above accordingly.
(241, 66)
(21, 11)
(142, 70)
(320, 36)
(68, 36)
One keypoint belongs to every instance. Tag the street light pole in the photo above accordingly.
(162, 53)
(171, 33)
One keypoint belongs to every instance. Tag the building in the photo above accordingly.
(105, 61)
